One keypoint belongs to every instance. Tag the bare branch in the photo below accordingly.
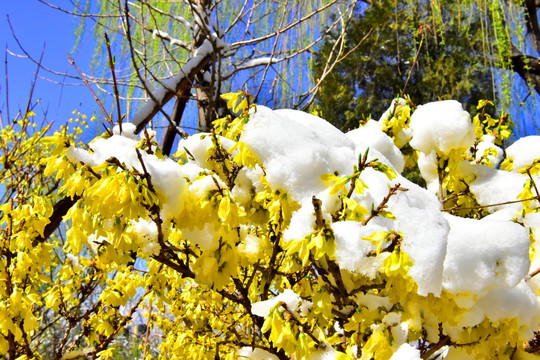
(107, 116)
(85, 15)
(176, 85)
(288, 27)
(7, 87)
(490, 205)
(116, 95)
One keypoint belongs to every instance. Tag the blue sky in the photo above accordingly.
(41, 28)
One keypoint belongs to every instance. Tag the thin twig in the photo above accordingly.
(272, 54)
(288, 27)
(375, 212)
(115, 86)
(33, 84)
(107, 116)
(533, 274)
(533, 183)
(301, 325)
(7, 86)
(354, 48)
(81, 14)
(490, 205)
(308, 97)
(422, 29)
(147, 334)
(318, 213)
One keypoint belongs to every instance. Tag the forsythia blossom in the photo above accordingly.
(274, 236)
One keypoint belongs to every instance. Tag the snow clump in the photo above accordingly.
(441, 126)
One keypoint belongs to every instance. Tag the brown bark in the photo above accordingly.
(527, 66)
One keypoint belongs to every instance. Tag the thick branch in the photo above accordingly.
(532, 22)
(178, 111)
(443, 340)
(528, 67)
(164, 257)
(178, 84)
(60, 209)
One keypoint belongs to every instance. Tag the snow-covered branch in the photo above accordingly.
(183, 79)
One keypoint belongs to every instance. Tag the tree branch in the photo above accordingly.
(527, 67)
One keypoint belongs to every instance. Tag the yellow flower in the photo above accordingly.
(237, 101)
(340, 182)
(386, 170)
(377, 346)
(397, 263)
(352, 210)
(378, 238)
(244, 157)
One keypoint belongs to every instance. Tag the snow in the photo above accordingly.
(148, 85)
(371, 136)
(164, 35)
(250, 247)
(425, 232)
(287, 139)
(499, 305)
(76, 155)
(159, 33)
(427, 163)
(303, 221)
(396, 103)
(494, 186)
(255, 354)
(94, 242)
(524, 151)
(400, 332)
(519, 302)
(128, 130)
(265, 60)
(198, 147)
(406, 352)
(492, 254)
(373, 302)
(289, 297)
(182, 20)
(201, 186)
(466, 257)
(486, 146)
(119, 146)
(147, 234)
(418, 218)
(441, 126)
(177, 42)
(326, 352)
(351, 249)
(296, 149)
(203, 237)
(248, 181)
(74, 261)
